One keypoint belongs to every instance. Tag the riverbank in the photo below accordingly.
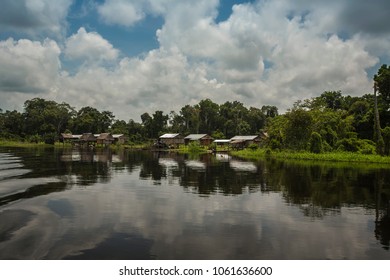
(332, 156)
(18, 144)
(246, 154)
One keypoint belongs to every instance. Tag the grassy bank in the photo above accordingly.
(18, 144)
(333, 157)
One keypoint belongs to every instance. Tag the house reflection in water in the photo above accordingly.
(195, 164)
(243, 166)
(90, 155)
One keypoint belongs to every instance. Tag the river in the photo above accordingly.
(101, 204)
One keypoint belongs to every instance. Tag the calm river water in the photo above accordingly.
(85, 204)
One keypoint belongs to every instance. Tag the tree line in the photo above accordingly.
(46, 120)
(331, 121)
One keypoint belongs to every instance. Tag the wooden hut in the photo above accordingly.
(223, 144)
(69, 138)
(88, 139)
(172, 139)
(243, 141)
(105, 139)
(119, 138)
(203, 139)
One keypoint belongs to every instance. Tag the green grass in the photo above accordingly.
(192, 149)
(331, 156)
(18, 144)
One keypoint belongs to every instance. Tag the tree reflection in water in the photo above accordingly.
(316, 190)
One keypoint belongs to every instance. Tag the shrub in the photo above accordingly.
(315, 143)
(213, 147)
(274, 144)
(386, 139)
(362, 146)
(194, 147)
(34, 138)
(50, 138)
(253, 147)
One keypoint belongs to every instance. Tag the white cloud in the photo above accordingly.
(266, 53)
(121, 12)
(90, 47)
(28, 66)
(305, 60)
(34, 17)
(163, 80)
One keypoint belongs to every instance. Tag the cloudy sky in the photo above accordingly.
(136, 56)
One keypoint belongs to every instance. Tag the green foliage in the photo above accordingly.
(195, 147)
(276, 129)
(42, 116)
(274, 144)
(218, 135)
(315, 143)
(34, 139)
(50, 138)
(270, 111)
(353, 144)
(299, 128)
(208, 115)
(154, 125)
(382, 80)
(90, 120)
(213, 147)
(386, 140)
(340, 156)
(253, 147)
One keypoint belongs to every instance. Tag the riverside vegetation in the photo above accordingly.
(331, 126)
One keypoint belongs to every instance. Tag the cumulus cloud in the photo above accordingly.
(34, 16)
(265, 53)
(89, 47)
(28, 66)
(162, 80)
(121, 12)
(305, 60)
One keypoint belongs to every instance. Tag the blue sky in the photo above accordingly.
(138, 39)
(136, 56)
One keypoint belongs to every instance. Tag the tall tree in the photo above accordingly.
(89, 119)
(159, 123)
(269, 111)
(119, 127)
(46, 117)
(382, 81)
(380, 144)
(299, 128)
(256, 120)
(11, 124)
(136, 131)
(208, 116)
(332, 100)
(147, 123)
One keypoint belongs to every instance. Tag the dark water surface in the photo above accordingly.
(85, 204)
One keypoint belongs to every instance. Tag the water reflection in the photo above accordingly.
(104, 204)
